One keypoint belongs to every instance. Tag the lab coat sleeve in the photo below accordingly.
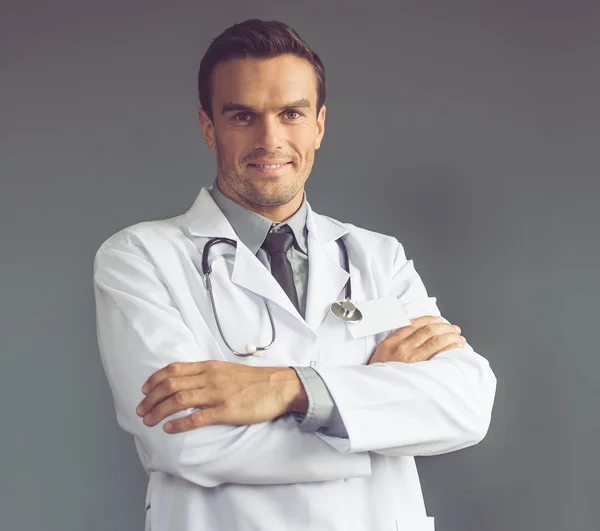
(140, 330)
(425, 408)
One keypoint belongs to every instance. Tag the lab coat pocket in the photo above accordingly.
(415, 523)
(148, 525)
(152, 504)
(148, 506)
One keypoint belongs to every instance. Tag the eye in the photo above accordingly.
(242, 117)
(289, 113)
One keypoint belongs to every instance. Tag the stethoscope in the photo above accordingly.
(345, 310)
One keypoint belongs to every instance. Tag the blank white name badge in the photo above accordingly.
(379, 315)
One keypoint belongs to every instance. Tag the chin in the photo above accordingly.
(271, 194)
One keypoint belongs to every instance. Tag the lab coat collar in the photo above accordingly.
(252, 228)
(326, 278)
(205, 219)
(322, 228)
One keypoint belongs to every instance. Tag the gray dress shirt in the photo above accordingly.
(252, 228)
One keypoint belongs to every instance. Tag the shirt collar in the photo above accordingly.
(252, 228)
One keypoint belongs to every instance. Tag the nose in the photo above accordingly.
(269, 135)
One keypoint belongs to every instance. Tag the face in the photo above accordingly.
(264, 113)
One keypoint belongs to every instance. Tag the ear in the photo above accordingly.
(320, 126)
(207, 128)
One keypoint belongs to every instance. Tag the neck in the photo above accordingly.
(276, 213)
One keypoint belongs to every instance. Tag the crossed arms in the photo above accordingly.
(425, 391)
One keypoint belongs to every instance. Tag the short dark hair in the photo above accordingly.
(260, 39)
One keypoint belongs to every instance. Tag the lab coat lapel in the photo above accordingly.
(250, 273)
(326, 275)
(206, 220)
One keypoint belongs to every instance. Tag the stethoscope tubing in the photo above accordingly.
(207, 270)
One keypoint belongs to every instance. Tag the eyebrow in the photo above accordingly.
(238, 107)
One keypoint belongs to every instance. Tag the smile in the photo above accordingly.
(269, 166)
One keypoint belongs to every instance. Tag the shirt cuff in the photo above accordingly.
(322, 414)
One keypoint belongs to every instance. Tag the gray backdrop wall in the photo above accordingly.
(469, 130)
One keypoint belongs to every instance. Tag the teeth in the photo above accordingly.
(269, 166)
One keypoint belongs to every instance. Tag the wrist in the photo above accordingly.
(292, 392)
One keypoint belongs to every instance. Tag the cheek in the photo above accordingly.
(304, 142)
(230, 150)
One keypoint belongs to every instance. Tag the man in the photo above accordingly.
(318, 432)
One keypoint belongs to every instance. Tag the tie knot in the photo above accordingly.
(279, 242)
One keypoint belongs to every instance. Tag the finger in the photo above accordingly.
(195, 420)
(168, 387)
(180, 401)
(424, 319)
(406, 331)
(176, 369)
(458, 344)
(430, 330)
(436, 344)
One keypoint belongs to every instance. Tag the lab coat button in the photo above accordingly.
(313, 363)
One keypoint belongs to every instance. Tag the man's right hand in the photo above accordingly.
(424, 338)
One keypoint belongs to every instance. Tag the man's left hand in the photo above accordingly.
(224, 392)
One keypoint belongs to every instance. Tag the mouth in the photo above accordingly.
(270, 168)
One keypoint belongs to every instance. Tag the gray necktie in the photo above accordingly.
(277, 245)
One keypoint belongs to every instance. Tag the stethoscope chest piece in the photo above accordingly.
(346, 311)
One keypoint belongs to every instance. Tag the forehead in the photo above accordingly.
(261, 83)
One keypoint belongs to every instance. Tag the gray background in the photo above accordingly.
(469, 130)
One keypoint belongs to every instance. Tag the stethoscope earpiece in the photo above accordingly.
(252, 349)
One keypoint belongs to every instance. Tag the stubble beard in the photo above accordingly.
(269, 195)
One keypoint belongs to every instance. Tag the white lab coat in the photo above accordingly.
(153, 309)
